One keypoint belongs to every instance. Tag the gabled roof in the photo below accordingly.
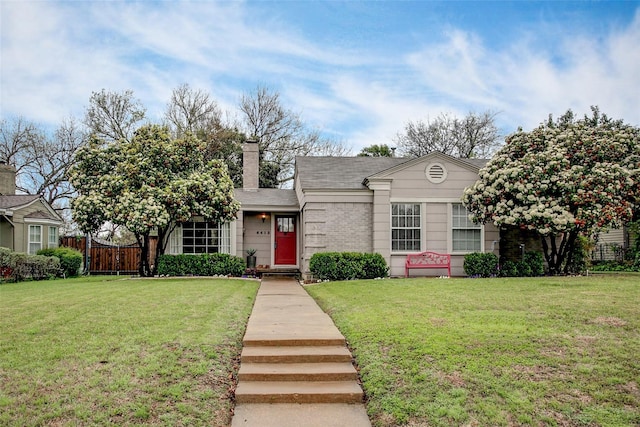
(344, 173)
(471, 164)
(11, 203)
(352, 173)
(17, 201)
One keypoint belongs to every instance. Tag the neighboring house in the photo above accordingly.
(613, 245)
(392, 206)
(27, 222)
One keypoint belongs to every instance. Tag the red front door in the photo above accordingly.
(285, 240)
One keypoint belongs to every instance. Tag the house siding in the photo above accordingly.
(381, 223)
(21, 229)
(337, 219)
(411, 185)
(6, 234)
(257, 235)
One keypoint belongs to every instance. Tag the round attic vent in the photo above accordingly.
(436, 172)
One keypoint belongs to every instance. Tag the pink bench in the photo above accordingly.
(427, 260)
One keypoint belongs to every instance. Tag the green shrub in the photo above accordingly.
(374, 266)
(531, 265)
(479, 264)
(8, 262)
(215, 264)
(347, 266)
(617, 266)
(535, 261)
(523, 269)
(580, 258)
(19, 266)
(70, 259)
(509, 269)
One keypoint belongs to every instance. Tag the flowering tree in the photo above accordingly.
(563, 179)
(149, 183)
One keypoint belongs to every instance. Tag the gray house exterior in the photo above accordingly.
(27, 222)
(392, 206)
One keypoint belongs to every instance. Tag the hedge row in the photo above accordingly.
(70, 259)
(215, 264)
(347, 266)
(480, 264)
(18, 266)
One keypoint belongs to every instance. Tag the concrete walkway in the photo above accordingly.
(295, 368)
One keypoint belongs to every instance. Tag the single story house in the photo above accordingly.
(27, 222)
(392, 206)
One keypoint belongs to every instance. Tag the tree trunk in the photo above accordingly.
(558, 257)
(143, 267)
(163, 240)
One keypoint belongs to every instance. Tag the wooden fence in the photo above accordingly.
(109, 258)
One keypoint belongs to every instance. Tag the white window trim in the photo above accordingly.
(422, 227)
(450, 233)
(176, 239)
(57, 237)
(29, 241)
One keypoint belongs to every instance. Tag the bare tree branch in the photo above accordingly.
(194, 111)
(281, 133)
(16, 136)
(113, 116)
(475, 135)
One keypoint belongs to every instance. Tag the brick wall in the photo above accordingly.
(336, 227)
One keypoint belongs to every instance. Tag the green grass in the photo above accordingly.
(103, 351)
(535, 351)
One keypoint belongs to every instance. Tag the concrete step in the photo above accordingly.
(342, 371)
(302, 341)
(295, 415)
(295, 354)
(298, 392)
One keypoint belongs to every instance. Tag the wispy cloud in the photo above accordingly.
(528, 80)
(54, 54)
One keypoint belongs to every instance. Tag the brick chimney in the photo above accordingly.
(7, 180)
(250, 168)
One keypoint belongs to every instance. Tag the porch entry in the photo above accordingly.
(285, 240)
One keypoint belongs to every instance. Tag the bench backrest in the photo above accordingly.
(428, 258)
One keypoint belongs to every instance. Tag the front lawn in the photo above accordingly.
(535, 351)
(106, 351)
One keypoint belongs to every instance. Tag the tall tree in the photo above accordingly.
(17, 137)
(113, 116)
(149, 183)
(474, 136)
(563, 179)
(375, 150)
(281, 134)
(47, 173)
(42, 160)
(193, 110)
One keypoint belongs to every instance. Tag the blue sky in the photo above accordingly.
(358, 71)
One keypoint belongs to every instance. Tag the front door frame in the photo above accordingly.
(292, 240)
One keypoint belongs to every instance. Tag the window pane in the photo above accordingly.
(405, 227)
(466, 234)
(53, 237)
(205, 237)
(35, 239)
